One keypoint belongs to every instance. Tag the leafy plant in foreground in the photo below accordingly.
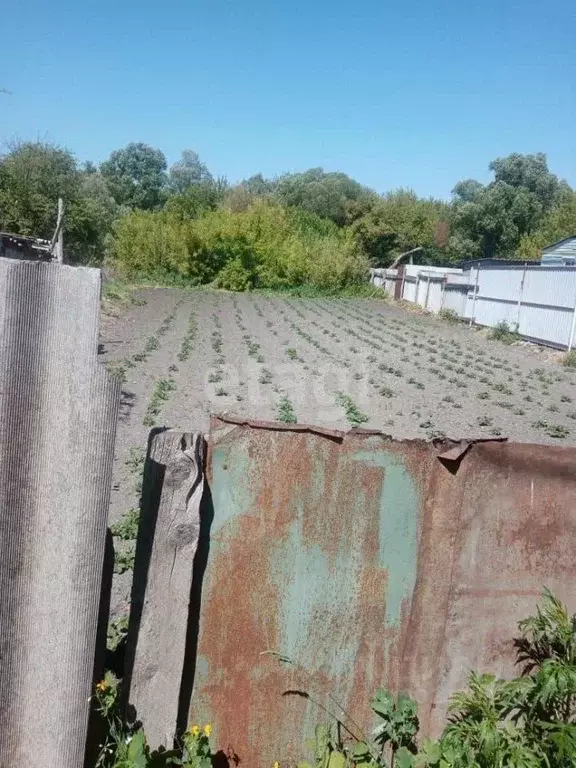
(354, 415)
(526, 722)
(285, 411)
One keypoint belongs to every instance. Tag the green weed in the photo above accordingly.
(127, 527)
(353, 414)
(285, 411)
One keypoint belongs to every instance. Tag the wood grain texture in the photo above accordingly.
(167, 543)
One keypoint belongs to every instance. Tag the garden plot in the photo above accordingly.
(333, 362)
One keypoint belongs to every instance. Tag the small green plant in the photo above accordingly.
(292, 353)
(557, 431)
(386, 392)
(569, 359)
(285, 411)
(117, 369)
(124, 559)
(265, 376)
(485, 421)
(353, 414)
(483, 396)
(136, 459)
(125, 744)
(221, 392)
(565, 399)
(117, 631)
(160, 394)
(503, 332)
(449, 316)
(127, 527)
(215, 376)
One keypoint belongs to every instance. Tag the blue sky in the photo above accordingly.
(415, 93)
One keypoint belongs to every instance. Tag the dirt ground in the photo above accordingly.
(332, 362)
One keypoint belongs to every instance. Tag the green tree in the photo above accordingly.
(398, 222)
(325, 194)
(559, 222)
(492, 220)
(258, 186)
(89, 222)
(33, 175)
(528, 172)
(187, 172)
(136, 176)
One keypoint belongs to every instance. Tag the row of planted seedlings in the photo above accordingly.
(381, 387)
(284, 407)
(165, 386)
(471, 363)
(119, 368)
(354, 416)
(465, 363)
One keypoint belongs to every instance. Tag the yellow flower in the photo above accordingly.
(208, 730)
(102, 686)
(195, 730)
(276, 764)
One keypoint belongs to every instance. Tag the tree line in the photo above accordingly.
(325, 228)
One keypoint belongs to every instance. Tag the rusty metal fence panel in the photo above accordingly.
(57, 426)
(367, 562)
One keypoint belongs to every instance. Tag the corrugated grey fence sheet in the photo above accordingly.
(58, 412)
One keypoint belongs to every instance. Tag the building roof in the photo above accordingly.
(567, 245)
(491, 263)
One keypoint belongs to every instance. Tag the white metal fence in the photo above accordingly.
(537, 301)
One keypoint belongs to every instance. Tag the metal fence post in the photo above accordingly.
(520, 298)
(473, 313)
(573, 328)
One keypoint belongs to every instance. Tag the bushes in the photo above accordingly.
(265, 246)
(504, 333)
(449, 315)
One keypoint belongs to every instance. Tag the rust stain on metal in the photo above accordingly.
(368, 563)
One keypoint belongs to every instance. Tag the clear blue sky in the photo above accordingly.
(414, 93)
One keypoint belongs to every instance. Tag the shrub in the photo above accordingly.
(265, 246)
(504, 333)
(449, 315)
(569, 359)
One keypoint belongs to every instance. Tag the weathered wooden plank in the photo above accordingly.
(167, 542)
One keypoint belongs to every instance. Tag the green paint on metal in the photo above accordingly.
(318, 599)
(399, 513)
(231, 492)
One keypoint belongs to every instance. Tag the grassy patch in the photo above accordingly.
(569, 359)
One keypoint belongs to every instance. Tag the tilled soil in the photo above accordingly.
(335, 362)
